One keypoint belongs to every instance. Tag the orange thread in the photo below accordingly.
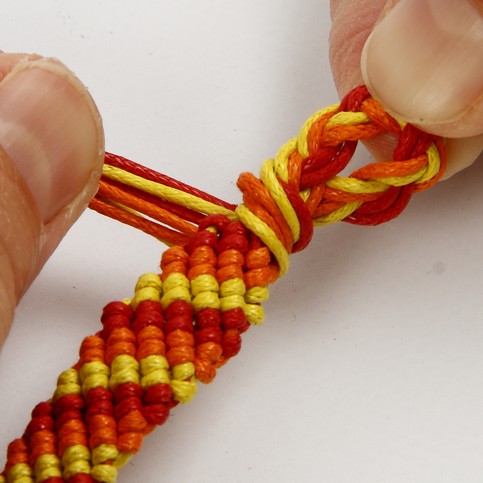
(115, 194)
(231, 257)
(379, 116)
(174, 260)
(92, 349)
(150, 342)
(257, 198)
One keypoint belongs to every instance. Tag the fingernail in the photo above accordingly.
(424, 60)
(50, 129)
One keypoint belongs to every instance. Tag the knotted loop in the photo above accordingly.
(300, 187)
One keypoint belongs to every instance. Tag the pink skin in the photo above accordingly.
(51, 153)
(353, 22)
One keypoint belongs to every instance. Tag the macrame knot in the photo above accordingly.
(300, 188)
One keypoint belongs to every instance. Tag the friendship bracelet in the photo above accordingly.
(183, 324)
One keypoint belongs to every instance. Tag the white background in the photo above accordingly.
(369, 366)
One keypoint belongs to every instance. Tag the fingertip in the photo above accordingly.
(51, 130)
(7, 298)
(52, 149)
(424, 63)
(20, 238)
(352, 23)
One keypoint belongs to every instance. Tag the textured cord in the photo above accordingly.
(183, 324)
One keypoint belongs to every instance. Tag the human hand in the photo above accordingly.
(51, 153)
(422, 59)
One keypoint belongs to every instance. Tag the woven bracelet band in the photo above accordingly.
(183, 324)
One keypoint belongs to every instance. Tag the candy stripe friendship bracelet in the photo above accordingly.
(182, 325)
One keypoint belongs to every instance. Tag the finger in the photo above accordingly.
(50, 159)
(424, 62)
(352, 23)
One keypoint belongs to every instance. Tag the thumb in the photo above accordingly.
(51, 151)
(422, 59)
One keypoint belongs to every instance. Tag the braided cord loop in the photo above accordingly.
(186, 322)
(301, 188)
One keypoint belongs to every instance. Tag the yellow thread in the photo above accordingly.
(75, 453)
(277, 193)
(103, 453)
(149, 280)
(104, 473)
(233, 286)
(404, 180)
(183, 391)
(304, 194)
(204, 283)
(94, 374)
(204, 288)
(66, 389)
(357, 186)
(175, 280)
(166, 193)
(184, 371)
(20, 472)
(232, 302)
(153, 363)
(257, 295)
(304, 131)
(281, 159)
(160, 376)
(91, 368)
(178, 293)
(75, 468)
(175, 287)
(69, 376)
(122, 459)
(348, 118)
(337, 215)
(254, 314)
(434, 163)
(266, 234)
(206, 300)
(124, 368)
(154, 369)
(67, 383)
(47, 466)
(75, 460)
(146, 293)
